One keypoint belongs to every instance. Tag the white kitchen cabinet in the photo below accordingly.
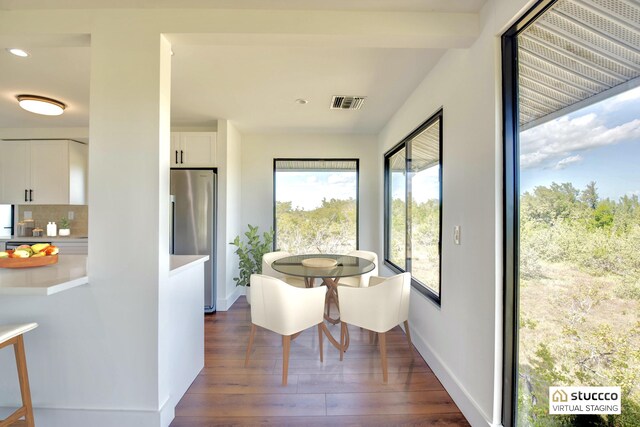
(193, 149)
(15, 176)
(43, 172)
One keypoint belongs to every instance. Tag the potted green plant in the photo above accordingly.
(250, 250)
(64, 227)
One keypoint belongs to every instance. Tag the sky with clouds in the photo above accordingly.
(307, 189)
(599, 143)
(424, 185)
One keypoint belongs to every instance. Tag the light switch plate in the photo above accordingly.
(70, 215)
(27, 215)
(456, 234)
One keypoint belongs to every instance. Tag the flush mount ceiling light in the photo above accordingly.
(301, 101)
(18, 52)
(41, 105)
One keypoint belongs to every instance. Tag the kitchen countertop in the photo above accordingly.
(178, 263)
(69, 272)
(70, 239)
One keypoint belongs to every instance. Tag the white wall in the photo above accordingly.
(184, 331)
(259, 150)
(129, 115)
(229, 145)
(461, 340)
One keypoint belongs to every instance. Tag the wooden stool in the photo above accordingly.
(12, 334)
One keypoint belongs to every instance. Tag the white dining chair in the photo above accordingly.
(285, 310)
(362, 280)
(379, 307)
(267, 270)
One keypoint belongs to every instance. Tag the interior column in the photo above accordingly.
(129, 210)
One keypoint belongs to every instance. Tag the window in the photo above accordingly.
(316, 205)
(571, 210)
(413, 206)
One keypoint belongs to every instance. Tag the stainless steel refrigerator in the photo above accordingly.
(193, 222)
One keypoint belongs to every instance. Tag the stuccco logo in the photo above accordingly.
(584, 400)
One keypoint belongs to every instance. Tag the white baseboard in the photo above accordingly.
(469, 407)
(168, 412)
(54, 417)
(224, 304)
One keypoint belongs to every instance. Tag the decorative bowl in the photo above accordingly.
(28, 262)
(319, 262)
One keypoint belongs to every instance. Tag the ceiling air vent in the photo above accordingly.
(342, 102)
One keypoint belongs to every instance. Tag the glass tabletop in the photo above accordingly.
(345, 265)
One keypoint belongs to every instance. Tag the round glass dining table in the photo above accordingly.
(327, 266)
(330, 268)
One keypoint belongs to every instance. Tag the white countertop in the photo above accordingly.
(70, 239)
(178, 263)
(69, 272)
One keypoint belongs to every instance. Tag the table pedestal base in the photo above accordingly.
(332, 297)
(335, 342)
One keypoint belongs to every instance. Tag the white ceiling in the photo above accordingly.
(370, 5)
(253, 84)
(55, 72)
(257, 86)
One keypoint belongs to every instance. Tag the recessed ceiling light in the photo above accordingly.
(18, 52)
(301, 101)
(41, 105)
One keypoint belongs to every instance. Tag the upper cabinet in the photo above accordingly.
(43, 172)
(193, 149)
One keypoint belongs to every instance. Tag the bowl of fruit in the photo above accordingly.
(29, 256)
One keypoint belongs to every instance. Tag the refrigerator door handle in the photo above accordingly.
(172, 224)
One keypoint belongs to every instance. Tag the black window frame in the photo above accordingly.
(438, 116)
(312, 159)
(511, 209)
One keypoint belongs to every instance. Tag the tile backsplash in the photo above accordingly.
(42, 214)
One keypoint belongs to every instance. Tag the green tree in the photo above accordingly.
(589, 195)
(603, 214)
(330, 228)
(627, 213)
(548, 204)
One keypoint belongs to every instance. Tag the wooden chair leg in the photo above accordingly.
(251, 335)
(408, 333)
(286, 345)
(320, 340)
(382, 338)
(23, 378)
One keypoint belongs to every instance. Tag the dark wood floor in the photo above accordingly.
(332, 393)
